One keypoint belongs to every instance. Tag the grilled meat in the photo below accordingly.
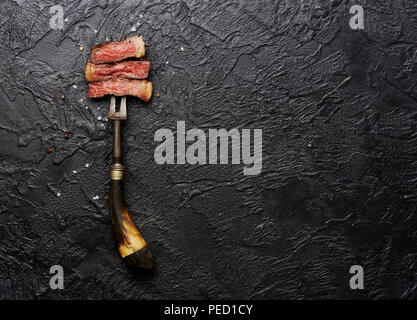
(126, 69)
(107, 52)
(121, 87)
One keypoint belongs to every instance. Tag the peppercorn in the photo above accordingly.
(158, 95)
(62, 96)
(66, 136)
(49, 150)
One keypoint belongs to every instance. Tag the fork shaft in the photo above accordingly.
(117, 152)
(132, 247)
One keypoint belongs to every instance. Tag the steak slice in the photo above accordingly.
(106, 52)
(121, 87)
(126, 69)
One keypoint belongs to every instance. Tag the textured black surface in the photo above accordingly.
(338, 186)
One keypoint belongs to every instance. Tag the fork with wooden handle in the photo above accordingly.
(132, 247)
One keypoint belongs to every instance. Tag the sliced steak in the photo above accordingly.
(121, 87)
(126, 69)
(107, 52)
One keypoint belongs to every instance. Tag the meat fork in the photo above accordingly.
(132, 247)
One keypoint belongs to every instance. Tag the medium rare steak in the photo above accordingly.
(107, 52)
(125, 69)
(121, 87)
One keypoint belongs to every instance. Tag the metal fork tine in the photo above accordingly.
(112, 110)
(123, 111)
(119, 115)
(113, 104)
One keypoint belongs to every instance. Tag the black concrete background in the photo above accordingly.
(338, 185)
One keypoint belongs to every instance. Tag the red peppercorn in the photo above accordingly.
(49, 150)
(66, 136)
